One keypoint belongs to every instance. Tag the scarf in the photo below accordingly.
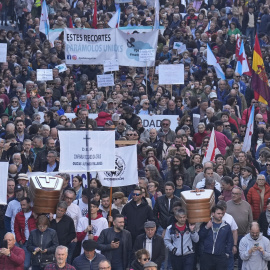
(244, 182)
(14, 109)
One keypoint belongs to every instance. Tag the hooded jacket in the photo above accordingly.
(255, 260)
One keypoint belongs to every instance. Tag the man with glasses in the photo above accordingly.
(241, 211)
(234, 157)
(254, 249)
(104, 265)
(48, 98)
(172, 109)
(34, 107)
(136, 213)
(121, 129)
(165, 128)
(115, 243)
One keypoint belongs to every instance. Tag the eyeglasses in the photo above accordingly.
(233, 193)
(68, 198)
(146, 259)
(13, 101)
(165, 124)
(136, 194)
(140, 122)
(129, 85)
(235, 88)
(129, 134)
(226, 125)
(120, 123)
(238, 76)
(47, 93)
(146, 103)
(63, 119)
(188, 120)
(267, 164)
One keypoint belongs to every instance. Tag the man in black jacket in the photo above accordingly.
(164, 206)
(115, 244)
(64, 227)
(136, 213)
(151, 242)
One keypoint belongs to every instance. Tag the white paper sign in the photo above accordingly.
(171, 74)
(84, 150)
(182, 48)
(177, 45)
(105, 80)
(44, 74)
(3, 181)
(147, 55)
(3, 52)
(111, 65)
(41, 116)
(61, 67)
(126, 170)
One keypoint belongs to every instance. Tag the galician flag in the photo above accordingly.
(212, 61)
(115, 20)
(242, 64)
(44, 24)
(212, 149)
(157, 7)
(249, 132)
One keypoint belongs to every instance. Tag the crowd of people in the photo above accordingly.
(145, 226)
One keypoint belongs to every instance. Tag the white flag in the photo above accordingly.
(3, 181)
(212, 61)
(44, 24)
(249, 132)
(212, 149)
(114, 21)
(125, 173)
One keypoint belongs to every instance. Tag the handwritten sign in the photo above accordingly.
(111, 65)
(147, 55)
(44, 75)
(105, 80)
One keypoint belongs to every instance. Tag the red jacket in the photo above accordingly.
(15, 261)
(19, 226)
(246, 114)
(254, 199)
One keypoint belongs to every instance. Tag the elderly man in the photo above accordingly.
(254, 249)
(150, 266)
(210, 117)
(151, 242)
(90, 259)
(11, 257)
(104, 265)
(61, 254)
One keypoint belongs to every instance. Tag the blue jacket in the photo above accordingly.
(224, 240)
(82, 263)
(243, 86)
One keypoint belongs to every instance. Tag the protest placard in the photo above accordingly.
(111, 65)
(147, 55)
(87, 150)
(44, 75)
(177, 45)
(105, 80)
(171, 74)
(3, 54)
(3, 181)
(61, 67)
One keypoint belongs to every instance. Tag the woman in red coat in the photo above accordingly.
(257, 196)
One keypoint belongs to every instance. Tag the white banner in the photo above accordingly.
(111, 65)
(125, 168)
(105, 80)
(3, 181)
(44, 75)
(3, 54)
(171, 74)
(93, 47)
(154, 121)
(83, 150)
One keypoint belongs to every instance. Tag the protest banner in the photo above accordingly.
(125, 170)
(177, 45)
(111, 65)
(140, 29)
(44, 75)
(3, 180)
(61, 67)
(86, 150)
(105, 80)
(92, 46)
(3, 54)
(171, 74)
(122, 1)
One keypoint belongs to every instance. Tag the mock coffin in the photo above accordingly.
(198, 204)
(45, 193)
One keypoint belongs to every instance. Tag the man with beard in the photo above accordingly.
(41, 159)
(115, 244)
(177, 167)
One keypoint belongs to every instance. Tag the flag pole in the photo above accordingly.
(110, 211)
(146, 78)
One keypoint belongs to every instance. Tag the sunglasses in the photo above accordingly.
(136, 194)
(165, 124)
(122, 124)
(268, 164)
(146, 103)
(226, 125)
(47, 93)
(129, 134)
(235, 88)
(63, 119)
(13, 101)
(146, 259)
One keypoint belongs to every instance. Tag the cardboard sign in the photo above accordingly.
(105, 80)
(171, 74)
(147, 55)
(111, 65)
(44, 75)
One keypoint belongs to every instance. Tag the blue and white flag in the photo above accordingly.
(115, 20)
(44, 24)
(242, 64)
(157, 7)
(249, 132)
(212, 61)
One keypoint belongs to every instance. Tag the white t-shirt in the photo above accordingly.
(26, 230)
(201, 184)
(98, 224)
(230, 220)
(83, 206)
(75, 213)
(13, 208)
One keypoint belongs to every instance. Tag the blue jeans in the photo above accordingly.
(71, 249)
(239, 259)
(251, 32)
(231, 262)
(27, 260)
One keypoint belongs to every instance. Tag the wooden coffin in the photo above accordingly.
(198, 204)
(45, 193)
